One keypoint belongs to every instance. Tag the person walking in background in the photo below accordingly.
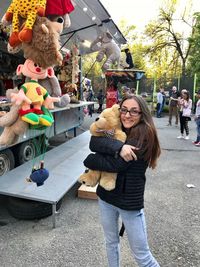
(90, 98)
(159, 103)
(164, 99)
(100, 98)
(197, 120)
(127, 199)
(185, 104)
(173, 105)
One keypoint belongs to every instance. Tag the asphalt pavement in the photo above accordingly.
(171, 206)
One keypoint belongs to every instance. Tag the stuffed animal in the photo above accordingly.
(44, 47)
(108, 48)
(12, 123)
(75, 64)
(108, 125)
(44, 30)
(27, 9)
(72, 91)
(129, 59)
(38, 175)
(59, 8)
(53, 87)
(34, 97)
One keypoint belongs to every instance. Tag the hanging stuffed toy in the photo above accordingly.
(75, 64)
(106, 47)
(44, 46)
(32, 96)
(38, 175)
(59, 8)
(11, 123)
(28, 10)
(129, 59)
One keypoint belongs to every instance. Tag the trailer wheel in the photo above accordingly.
(26, 151)
(7, 161)
(28, 209)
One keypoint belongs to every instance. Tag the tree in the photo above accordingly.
(134, 43)
(168, 40)
(195, 46)
(90, 67)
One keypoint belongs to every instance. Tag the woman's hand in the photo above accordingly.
(127, 152)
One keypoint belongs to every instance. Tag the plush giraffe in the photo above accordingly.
(25, 9)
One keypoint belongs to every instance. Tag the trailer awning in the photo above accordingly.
(88, 20)
(87, 25)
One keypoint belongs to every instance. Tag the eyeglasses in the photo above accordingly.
(132, 112)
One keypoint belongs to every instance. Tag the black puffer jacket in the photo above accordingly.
(129, 191)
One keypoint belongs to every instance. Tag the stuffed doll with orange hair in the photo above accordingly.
(32, 96)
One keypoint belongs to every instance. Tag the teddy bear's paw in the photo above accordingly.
(108, 185)
(83, 180)
(88, 179)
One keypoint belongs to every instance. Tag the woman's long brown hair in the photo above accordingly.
(144, 132)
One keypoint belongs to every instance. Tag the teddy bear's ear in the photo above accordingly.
(115, 107)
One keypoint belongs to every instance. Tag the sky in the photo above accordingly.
(139, 12)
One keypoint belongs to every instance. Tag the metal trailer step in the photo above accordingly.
(65, 164)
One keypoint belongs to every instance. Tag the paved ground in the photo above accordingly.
(172, 214)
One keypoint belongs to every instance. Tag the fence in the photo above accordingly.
(150, 86)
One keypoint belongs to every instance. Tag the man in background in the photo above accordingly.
(173, 105)
(100, 98)
(159, 102)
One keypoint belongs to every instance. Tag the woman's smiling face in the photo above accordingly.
(130, 113)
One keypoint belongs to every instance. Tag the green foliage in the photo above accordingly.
(128, 31)
(134, 43)
(168, 47)
(195, 46)
(163, 50)
(89, 67)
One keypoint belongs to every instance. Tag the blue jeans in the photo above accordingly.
(159, 110)
(135, 228)
(198, 129)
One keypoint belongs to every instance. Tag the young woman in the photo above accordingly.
(127, 199)
(185, 104)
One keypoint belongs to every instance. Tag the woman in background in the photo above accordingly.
(185, 104)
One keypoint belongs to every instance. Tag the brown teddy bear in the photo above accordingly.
(108, 125)
(12, 123)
